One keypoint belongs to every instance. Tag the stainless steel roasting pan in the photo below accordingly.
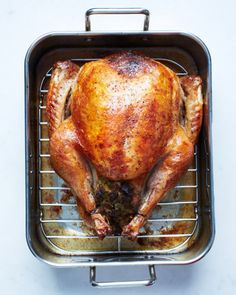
(181, 228)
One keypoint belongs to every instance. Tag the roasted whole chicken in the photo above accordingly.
(124, 127)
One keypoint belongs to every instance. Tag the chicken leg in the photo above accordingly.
(165, 175)
(71, 165)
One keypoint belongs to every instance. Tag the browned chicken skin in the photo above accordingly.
(132, 119)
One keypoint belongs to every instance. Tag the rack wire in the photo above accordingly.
(173, 224)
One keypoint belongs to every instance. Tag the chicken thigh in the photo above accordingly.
(131, 120)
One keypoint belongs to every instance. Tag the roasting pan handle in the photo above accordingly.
(118, 284)
(117, 11)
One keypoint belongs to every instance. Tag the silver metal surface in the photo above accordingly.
(53, 229)
(96, 11)
(134, 283)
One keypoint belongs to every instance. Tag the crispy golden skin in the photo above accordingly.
(125, 109)
(126, 121)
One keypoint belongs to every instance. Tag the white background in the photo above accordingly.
(23, 21)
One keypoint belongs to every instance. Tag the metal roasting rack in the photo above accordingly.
(47, 175)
